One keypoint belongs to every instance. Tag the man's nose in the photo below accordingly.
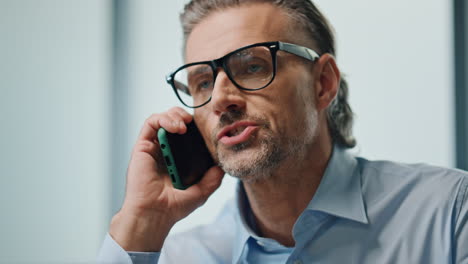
(226, 96)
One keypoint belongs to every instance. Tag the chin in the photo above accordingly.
(251, 162)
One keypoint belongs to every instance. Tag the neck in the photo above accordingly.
(278, 201)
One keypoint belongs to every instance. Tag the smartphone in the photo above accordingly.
(186, 156)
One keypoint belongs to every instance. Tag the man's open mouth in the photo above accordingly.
(236, 133)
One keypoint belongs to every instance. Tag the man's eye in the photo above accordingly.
(254, 68)
(206, 84)
(200, 84)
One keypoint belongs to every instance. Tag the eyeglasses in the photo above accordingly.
(250, 68)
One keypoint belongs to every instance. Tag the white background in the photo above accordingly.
(55, 90)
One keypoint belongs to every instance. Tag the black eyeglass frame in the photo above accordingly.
(273, 46)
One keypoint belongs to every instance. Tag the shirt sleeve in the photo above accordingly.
(144, 257)
(461, 227)
(111, 252)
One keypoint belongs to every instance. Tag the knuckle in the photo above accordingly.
(181, 111)
(173, 110)
(178, 109)
(151, 119)
(145, 146)
(174, 115)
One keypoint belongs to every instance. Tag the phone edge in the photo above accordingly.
(167, 154)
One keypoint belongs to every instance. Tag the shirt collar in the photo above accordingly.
(339, 192)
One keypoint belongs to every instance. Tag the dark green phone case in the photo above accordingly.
(169, 160)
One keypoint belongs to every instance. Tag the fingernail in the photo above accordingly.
(181, 124)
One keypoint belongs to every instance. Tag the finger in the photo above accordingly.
(156, 121)
(210, 182)
(172, 124)
(150, 128)
(187, 117)
(147, 146)
(180, 121)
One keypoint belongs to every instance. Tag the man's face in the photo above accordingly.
(251, 133)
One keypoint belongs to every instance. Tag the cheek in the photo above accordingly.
(206, 129)
(293, 109)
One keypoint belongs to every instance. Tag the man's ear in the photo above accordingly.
(327, 81)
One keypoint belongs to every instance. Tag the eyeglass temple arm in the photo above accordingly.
(303, 52)
(180, 86)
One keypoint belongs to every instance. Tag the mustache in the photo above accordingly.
(230, 117)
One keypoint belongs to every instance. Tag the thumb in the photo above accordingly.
(209, 183)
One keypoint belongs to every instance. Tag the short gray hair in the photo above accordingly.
(318, 30)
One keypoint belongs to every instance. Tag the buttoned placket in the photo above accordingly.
(304, 231)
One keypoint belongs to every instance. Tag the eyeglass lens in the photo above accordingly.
(250, 68)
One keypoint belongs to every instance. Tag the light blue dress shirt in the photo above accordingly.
(364, 212)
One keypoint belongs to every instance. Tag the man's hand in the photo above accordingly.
(152, 206)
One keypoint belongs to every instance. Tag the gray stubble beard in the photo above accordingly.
(271, 154)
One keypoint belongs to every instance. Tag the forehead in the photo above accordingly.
(229, 29)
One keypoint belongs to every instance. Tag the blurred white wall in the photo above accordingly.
(397, 56)
(54, 115)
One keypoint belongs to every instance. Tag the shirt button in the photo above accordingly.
(297, 261)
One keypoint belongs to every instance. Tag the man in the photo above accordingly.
(273, 111)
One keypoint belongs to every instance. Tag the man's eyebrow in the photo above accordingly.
(198, 70)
